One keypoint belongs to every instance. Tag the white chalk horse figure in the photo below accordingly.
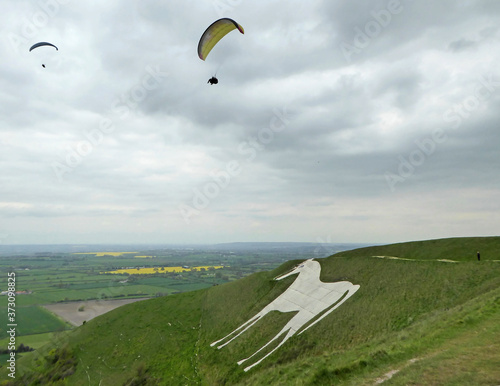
(307, 295)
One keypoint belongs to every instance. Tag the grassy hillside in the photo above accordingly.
(462, 249)
(434, 322)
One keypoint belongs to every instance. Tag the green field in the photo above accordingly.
(32, 320)
(34, 341)
(434, 322)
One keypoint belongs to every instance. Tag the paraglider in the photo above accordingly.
(212, 35)
(40, 44)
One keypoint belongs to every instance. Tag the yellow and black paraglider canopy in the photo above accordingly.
(215, 32)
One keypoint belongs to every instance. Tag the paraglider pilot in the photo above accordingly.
(213, 80)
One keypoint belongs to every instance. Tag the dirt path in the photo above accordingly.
(403, 258)
(391, 373)
(394, 258)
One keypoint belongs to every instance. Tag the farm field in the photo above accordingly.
(77, 313)
(33, 320)
(34, 341)
(155, 270)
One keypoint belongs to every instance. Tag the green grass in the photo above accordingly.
(470, 358)
(164, 343)
(446, 315)
(454, 346)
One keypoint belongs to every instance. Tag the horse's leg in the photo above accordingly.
(288, 335)
(290, 328)
(250, 323)
(346, 296)
(287, 327)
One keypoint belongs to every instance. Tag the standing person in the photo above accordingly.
(478, 256)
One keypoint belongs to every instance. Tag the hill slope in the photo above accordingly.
(413, 316)
(460, 249)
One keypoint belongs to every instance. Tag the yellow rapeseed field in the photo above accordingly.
(149, 271)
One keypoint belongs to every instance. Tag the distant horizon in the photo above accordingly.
(319, 249)
(188, 243)
(321, 242)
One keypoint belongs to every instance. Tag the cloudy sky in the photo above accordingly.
(333, 121)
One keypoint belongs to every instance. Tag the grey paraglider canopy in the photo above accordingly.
(42, 44)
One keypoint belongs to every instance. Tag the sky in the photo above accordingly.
(333, 121)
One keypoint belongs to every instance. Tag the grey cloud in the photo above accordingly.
(461, 44)
(350, 122)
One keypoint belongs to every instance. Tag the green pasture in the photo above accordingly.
(3, 360)
(158, 281)
(185, 283)
(34, 341)
(184, 287)
(32, 320)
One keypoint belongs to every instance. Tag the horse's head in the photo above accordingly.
(305, 266)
